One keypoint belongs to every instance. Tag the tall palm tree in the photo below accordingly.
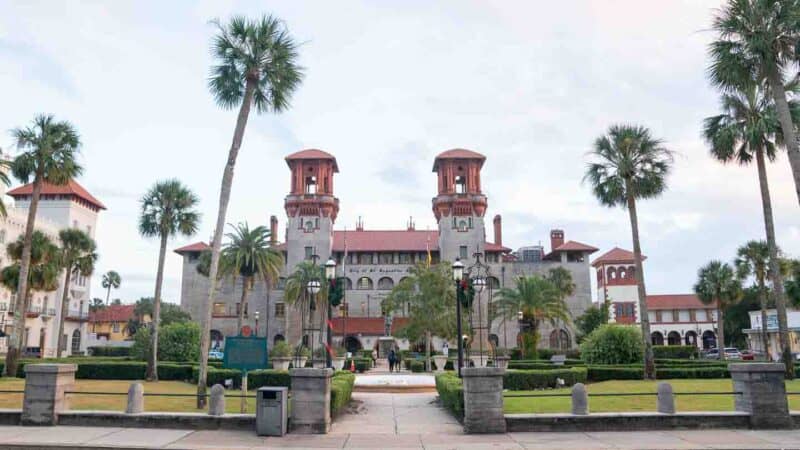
(49, 152)
(77, 257)
(111, 279)
(717, 283)
(168, 209)
(256, 64)
(629, 164)
(752, 259)
(748, 129)
(562, 280)
(537, 298)
(249, 255)
(296, 293)
(757, 41)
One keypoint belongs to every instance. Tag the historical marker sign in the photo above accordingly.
(245, 353)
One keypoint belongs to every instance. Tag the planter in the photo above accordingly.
(281, 362)
(338, 362)
(479, 360)
(501, 362)
(440, 361)
(299, 362)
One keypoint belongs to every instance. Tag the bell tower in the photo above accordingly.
(460, 204)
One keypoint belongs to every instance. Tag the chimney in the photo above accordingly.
(410, 226)
(273, 229)
(498, 230)
(556, 239)
(359, 224)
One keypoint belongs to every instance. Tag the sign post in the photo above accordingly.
(245, 353)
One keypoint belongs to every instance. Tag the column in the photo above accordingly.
(311, 401)
(45, 385)
(763, 394)
(483, 400)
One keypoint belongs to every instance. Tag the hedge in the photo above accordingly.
(109, 351)
(417, 366)
(362, 364)
(526, 380)
(451, 392)
(268, 377)
(603, 373)
(341, 390)
(676, 351)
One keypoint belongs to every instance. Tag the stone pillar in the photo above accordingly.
(135, 399)
(763, 394)
(666, 400)
(483, 400)
(216, 405)
(311, 401)
(45, 385)
(580, 400)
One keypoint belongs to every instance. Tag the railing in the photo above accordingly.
(77, 315)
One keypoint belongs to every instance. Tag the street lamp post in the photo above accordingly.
(330, 275)
(256, 330)
(478, 283)
(458, 275)
(313, 289)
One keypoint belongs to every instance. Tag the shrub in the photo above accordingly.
(341, 390)
(177, 372)
(417, 366)
(362, 364)
(676, 351)
(218, 376)
(109, 351)
(268, 377)
(603, 373)
(132, 370)
(613, 344)
(525, 380)
(179, 341)
(281, 350)
(693, 372)
(451, 392)
(141, 344)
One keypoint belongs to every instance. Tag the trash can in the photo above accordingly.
(272, 410)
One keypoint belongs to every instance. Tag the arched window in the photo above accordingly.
(674, 338)
(461, 184)
(559, 340)
(402, 280)
(657, 338)
(364, 284)
(278, 338)
(611, 274)
(631, 273)
(621, 274)
(493, 283)
(348, 284)
(494, 340)
(76, 342)
(691, 338)
(709, 340)
(385, 283)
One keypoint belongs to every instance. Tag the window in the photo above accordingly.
(658, 316)
(491, 257)
(461, 184)
(281, 283)
(218, 309)
(309, 226)
(309, 252)
(385, 283)
(238, 308)
(365, 258)
(311, 185)
(405, 258)
(385, 258)
(624, 310)
(76, 342)
(280, 309)
(462, 252)
(115, 327)
(348, 284)
(462, 225)
(364, 283)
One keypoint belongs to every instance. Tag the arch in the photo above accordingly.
(691, 338)
(494, 340)
(611, 274)
(673, 338)
(76, 342)
(709, 340)
(364, 284)
(352, 344)
(630, 272)
(385, 284)
(657, 338)
(403, 279)
(622, 274)
(348, 284)
(278, 338)
(559, 340)
(492, 283)
(217, 339)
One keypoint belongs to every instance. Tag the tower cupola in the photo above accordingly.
(459, 184)
(311, 190)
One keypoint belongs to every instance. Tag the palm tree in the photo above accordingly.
(538, 299)
(717, 283)
(111, 279)
(630, 164)
(752, 259)
(49, 151)
(296, 293)
(249, 255)
(168, 208)
(757, 42)
(562, 280)
(77, 257)
(256, 64)
(749, 129)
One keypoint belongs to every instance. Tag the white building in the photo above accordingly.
(60, 207)
(754, 332)
(675, 319)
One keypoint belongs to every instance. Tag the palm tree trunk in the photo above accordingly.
(789, 135)
(62, 344)
(720, 332)
(762, 300)
(108, 294)
(242, 305)
(152, 362)
(216, 244)
(15, 340)
(774, 263)
(644, 318)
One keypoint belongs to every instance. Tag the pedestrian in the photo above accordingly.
(374, 357)
(445, 350)
(392, 357)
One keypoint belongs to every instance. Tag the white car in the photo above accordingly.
(730, 353)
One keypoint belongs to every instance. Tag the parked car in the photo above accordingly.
(730, 353)
(749, 355)
(216, 354)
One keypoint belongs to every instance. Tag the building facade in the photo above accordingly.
(754, 332)
(374, 261)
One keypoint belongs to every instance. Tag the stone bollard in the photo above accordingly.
(483, 400)
(216, 404)
(666, 400)
(580, 400)
(763, 394)
(311, 401)
(45, 385)
(135, 399)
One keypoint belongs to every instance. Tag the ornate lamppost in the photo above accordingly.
(255, 333)
(330, 275)
(458, 275)
(479, 273)
(312, 288)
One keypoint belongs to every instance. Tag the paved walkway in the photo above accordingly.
(390, 421)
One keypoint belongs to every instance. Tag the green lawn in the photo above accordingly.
(117, 402)
(638, 403)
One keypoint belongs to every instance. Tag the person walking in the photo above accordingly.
(392, 357)
(374, 357)
(445, 350)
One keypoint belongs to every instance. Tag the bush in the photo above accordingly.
(613, 344)
(218, 376)
(109, 351)
(179, 341)
(676, 351)
(692, 372)
(451, 392)
(417, 366)
(341, 390)
(281, 350)
(177, 372)
(362, 364)
(268, 377)
(132, 370)
(603, 373)
(526, 380)
(141, 344)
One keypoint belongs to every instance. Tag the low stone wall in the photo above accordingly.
(627, 421)
(182, 421)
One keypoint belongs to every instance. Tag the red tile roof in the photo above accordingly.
(457, 153)
(312, 153)
(614, 256)
(370, 326)
(71, 188)
(394, 240)
(574, 246)
(676, 301)
(196, 247)
(112, 313)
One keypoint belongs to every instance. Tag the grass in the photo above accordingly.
(544, 405)
(118, 402)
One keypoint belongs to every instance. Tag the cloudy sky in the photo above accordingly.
(389, 85)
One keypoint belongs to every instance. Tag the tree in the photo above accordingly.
(180, 342)
(630, 164)
(77, 257)
(170, 313)
(793, 282)
(748, 129)
(430, 296)
(295, 292)
(590, 320)
(612, 344)
(256, 64)
(562, 280)
(538, 299)
(752, 259)
(167, 209)
(250, 256)
(718, 284)
(49, 152)
(111, 279)
(97, 304)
